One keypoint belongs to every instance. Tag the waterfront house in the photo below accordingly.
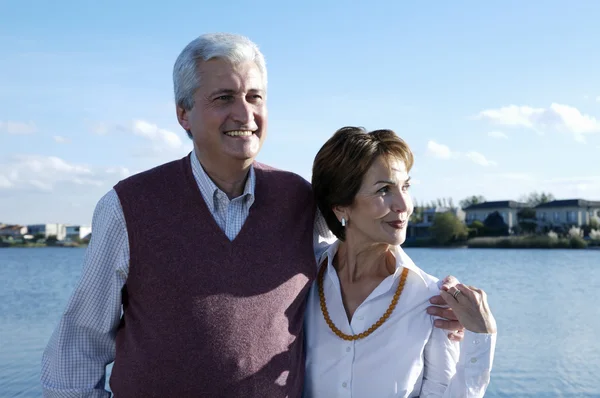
(75, 232)
(13, 231)
(567, 213)
(508, 209)
(58, 230)
(421, 229)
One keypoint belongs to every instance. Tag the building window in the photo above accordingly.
(571, 217)
(543, 216)
(556, 217)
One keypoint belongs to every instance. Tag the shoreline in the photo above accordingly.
(509, 242)
(40, 245)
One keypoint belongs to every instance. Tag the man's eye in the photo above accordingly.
(384, 189)
(224, 97)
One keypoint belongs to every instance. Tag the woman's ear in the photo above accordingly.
(340, 212)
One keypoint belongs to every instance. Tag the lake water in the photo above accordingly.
(544, 302)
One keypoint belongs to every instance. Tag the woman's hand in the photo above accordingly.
(470, 306)
(440, 308)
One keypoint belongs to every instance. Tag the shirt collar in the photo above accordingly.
(208, 188)
(402, 260)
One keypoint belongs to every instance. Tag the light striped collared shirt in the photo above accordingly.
(83, 344)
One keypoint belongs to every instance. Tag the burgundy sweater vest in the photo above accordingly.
(205, 316)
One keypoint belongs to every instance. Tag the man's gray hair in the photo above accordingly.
(234, 48)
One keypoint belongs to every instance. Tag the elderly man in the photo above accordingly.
(195, 280)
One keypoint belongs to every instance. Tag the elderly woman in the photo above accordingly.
(367, 331)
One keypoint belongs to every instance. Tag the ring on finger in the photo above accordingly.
(455, 294)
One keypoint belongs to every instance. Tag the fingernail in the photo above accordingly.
(430, 310)
(437, 323)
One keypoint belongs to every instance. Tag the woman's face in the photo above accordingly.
(382, 206)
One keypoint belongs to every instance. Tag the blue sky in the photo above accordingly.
(498, 98)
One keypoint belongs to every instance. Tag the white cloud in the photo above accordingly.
(61, 139)
(480, 159)
(18, 128)
(160, 137)
(515, 176)
(162, 142)
(122, 172)
(497, 134)
(557, 117)
(512, 115)
(42, 186)
(44, 173)
(100, 128)
(439, 151)
(5, 182)
(442, 151)
(495, 186)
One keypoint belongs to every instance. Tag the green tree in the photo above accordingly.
(417, 215)
(471, 200)
(534, 198)
(526, 220)
(495, 225)
(51, 240)
(447, 228)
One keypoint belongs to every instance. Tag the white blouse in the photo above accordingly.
(405, 357)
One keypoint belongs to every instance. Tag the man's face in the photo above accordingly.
(229, 119)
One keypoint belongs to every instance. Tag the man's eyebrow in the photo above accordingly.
(222, 91)
(229, 91)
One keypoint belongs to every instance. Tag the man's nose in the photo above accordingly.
(243, 112)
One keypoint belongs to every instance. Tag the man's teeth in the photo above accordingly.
(239, 133)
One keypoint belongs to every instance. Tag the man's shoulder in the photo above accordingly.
(155, 173)
(284, 176)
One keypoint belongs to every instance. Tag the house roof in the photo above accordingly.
(11, 228)
(569, 203)
(500, 203)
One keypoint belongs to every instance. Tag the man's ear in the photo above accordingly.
(182, 118)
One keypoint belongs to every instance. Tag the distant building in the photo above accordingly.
(58, 230)
(74, 232)
(508, 209)
(421, 229)
(567, 213)
(12, 230)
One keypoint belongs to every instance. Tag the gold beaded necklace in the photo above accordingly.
(376, 325)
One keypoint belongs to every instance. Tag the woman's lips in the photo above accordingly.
(397, 224)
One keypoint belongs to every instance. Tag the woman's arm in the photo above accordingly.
(443, 376)
(458, 369)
